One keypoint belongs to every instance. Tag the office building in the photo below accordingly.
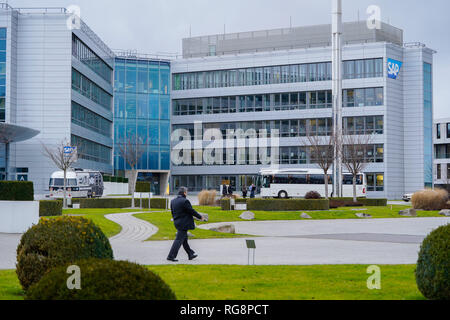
(281, 80)
(441, 142)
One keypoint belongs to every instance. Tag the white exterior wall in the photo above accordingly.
(39, 90)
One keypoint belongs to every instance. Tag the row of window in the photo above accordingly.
(354, 69)
(243, 156)
(88, 57)
(442, 151)
(90, 120)
(438, 131)
(92, 151)
(439, 170)
(142, 76)
(275, 102)
(307, 179)
(90, 90)
(291, 128)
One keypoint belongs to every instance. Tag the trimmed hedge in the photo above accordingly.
(287, 204)
(225, 203)
(433, 265)
(142, 186)
(106, 178)
(103, 280)
(156, 203)
(50, 208)
(16, 191)
(348, 202)
(57, 241)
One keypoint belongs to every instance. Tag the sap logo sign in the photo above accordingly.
(394, 67)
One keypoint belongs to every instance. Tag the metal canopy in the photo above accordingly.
(10, 133)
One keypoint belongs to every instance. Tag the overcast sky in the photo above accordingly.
(153, 26)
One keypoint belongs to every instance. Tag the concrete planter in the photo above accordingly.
(18, 216)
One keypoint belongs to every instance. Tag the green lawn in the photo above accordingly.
(166, 231)
(327, 282)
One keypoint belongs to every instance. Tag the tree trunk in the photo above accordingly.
(326, 185)
(64, 191)
(354, 189)
(133, 186)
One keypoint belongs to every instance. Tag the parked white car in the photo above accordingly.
(407, 197)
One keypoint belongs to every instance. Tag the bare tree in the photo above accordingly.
(64, 155)
(354, 155)
(322, 153)
(131, 151)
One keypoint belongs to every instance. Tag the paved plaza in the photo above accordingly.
(372, 241)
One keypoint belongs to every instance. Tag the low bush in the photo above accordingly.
(313, 195)
(433, 265)
(207, 197)
(430, 199)
(109, 203)
(106, 178)
(49, 208)
(103, 280)
(16, 191)
(348, 202)
(287, 204)
(54, 242)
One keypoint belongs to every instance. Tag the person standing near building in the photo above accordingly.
(244, 192)
(224, 190)
(252, 191)
(183, 218)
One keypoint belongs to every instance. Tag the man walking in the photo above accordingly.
(182, 213)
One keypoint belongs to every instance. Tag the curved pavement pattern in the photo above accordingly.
(133, 229)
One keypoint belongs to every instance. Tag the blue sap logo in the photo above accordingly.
(393, 68)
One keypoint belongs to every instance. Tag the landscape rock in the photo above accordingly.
(445, 213)
(247, 215)
(363, 215)
(226, 228)
(408, 213)
(305, 216)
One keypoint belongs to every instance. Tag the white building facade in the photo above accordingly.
(57, 80)
(281, 79)
(441, 143)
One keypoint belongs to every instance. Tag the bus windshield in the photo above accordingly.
(59, 182)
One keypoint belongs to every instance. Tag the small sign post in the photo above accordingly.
(251, 245)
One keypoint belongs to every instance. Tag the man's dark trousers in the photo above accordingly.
(181, 239)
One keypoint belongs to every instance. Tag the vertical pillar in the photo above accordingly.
(337, 91)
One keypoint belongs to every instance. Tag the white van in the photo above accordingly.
(79, 184)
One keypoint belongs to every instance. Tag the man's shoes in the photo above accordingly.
(173, 260)
(193, 257)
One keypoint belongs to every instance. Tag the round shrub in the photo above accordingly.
(430, 199)
(313, 195)
(102, 280)
(57, 241)
(433, 266)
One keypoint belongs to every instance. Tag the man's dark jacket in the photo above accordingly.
(183, 213)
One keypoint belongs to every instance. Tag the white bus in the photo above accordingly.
(295, 183)
(79, 184)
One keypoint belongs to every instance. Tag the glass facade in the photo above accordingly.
(91, 59)
(276, 101)
(90, 120)
(142, 110)
(3, 32)
(428, 123)
(90, 90)
(354, 69)
(90, 150)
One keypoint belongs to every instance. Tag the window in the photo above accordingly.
(90, 90)
(438, 131)
(438, 171)
(375, 182)
(448, 130)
